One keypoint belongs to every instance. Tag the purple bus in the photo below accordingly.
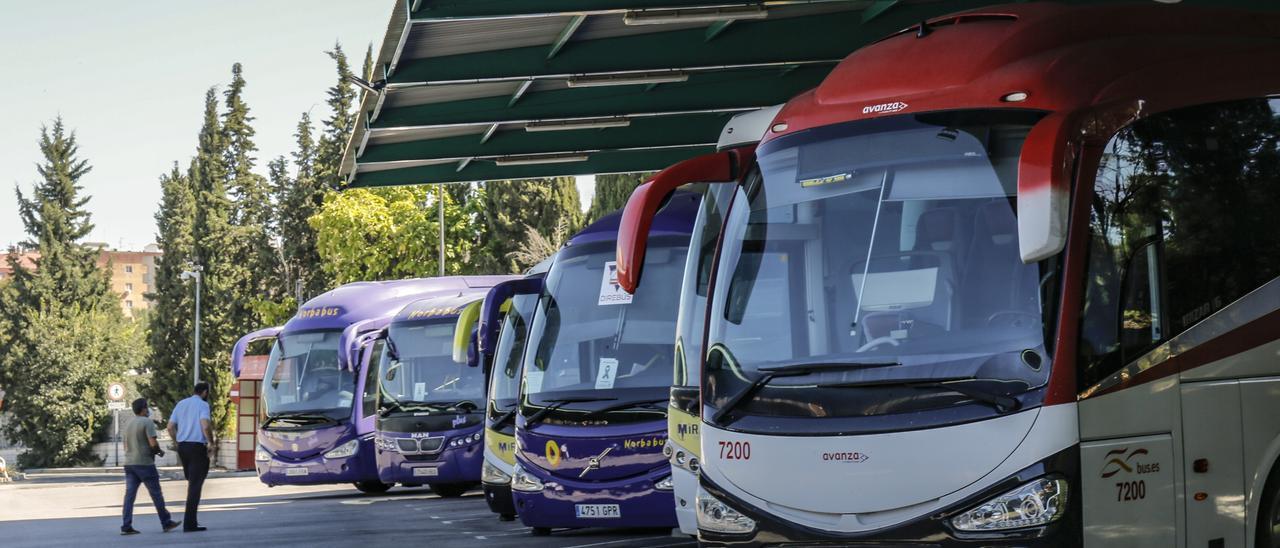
(431, 395)
(318, 399)
(592, 420)
(504, 330)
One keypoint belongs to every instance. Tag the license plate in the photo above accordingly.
(296, 471)
(431, 471)
(598, 511)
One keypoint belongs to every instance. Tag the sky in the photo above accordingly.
(129, 76)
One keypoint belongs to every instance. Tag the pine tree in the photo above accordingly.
(172, 311)
(612, 192)
(214, 236)
(67, 335)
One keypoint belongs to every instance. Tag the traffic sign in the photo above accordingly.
(115, 391)
(117, 406)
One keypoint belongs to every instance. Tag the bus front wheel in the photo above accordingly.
(372, 487)
(448, 490)
(1269, 515)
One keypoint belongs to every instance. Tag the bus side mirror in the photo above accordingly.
(646, 199)
(1044, 186)
(242, 346)
(496, 303)
(463, 331)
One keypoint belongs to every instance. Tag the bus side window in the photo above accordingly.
(1122, 282)
(1183, 224)
(369, 397)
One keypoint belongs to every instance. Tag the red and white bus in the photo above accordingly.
(1008, 277)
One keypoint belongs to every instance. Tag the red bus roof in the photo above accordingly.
(1064, 58)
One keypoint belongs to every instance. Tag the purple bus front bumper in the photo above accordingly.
(640, 504)
(453, 464)
(319, 470)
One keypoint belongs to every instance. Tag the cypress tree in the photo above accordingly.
(67, 335)
(253, 267)
(299, 200)
(214, 236)
(172, 313)
(510, 208)
(338, 126)
(612, 192)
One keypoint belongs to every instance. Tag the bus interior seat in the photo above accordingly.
(991, 273)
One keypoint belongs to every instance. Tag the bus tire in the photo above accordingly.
(540, 531)
(372, 487)
(1269, 512)
(448, 490)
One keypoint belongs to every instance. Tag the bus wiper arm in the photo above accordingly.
(959, 385)
(790, 370)
(556, 404)
(297, 418)
(629, 405)
(510, 414)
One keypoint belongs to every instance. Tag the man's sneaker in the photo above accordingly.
(129, 531)
(195, 529)
(172, 525)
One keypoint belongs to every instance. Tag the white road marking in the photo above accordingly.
(605, 543)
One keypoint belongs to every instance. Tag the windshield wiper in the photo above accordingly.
(629, 405)
(391, 406)
(556, 404)
(510, 414)
(298, 419)
(790, 370)
(1002, 403)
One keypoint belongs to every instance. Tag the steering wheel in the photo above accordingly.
(877, 342)
(467, 404)
(1018, 318)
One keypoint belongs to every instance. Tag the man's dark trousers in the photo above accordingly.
(195, 466)
(144, 474)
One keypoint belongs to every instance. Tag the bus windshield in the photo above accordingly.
(303, 377)
(423, 373)
(890, 243)
(604, 343)
(509, 352)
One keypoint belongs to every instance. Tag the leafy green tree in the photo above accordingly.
(392, 233)
(509, 209)
(67, 335)
(172, 312)
(612, 192)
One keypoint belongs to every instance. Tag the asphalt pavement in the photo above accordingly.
(240, 511)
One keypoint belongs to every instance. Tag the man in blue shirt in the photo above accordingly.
(189, 426)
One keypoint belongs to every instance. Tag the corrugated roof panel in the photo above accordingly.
(425, 95)
(390, 136)
(459, 37)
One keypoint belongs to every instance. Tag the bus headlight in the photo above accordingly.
(261, 455)
(343, 451)
(1036, 503)
(493, 475)
(524, 482)
(664, 484)
(718, 517)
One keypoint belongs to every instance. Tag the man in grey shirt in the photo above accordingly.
(140, 449)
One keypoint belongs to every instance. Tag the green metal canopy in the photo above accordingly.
(469, 90)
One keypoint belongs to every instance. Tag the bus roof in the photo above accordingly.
(358, 301)
(441, 306)
(676, 218)
(1063, 58)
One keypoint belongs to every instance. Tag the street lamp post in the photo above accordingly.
(195, 273)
